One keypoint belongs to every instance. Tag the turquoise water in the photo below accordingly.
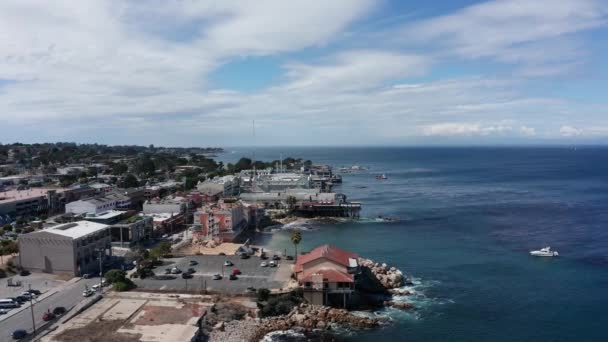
(468, 217)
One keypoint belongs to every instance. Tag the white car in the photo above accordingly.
(95, 287)
(217, 276)
(87, 293)
(3, 312)
(228, 263)
(272, 263)
(264, 264)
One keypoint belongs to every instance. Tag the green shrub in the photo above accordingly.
(263, 295)
(2, 273)
(124, 285)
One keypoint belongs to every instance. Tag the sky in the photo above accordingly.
(308, 72)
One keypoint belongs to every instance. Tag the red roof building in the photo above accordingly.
(327, 275)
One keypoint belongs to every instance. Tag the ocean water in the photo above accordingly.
(467, 219)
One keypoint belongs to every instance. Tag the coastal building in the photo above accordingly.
(107, 217)
(225, 186)
(281, 182)
(223, 221)
(71, 248)
(327, 275)
(166, 223)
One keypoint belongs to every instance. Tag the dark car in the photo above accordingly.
(244, 256)
(24, 273)
(251, 289)
(60, 310)
(48, 316)
(34, 292)
(264, 256)
(19, 334)
(193, 262)
(289, 257)
(236, 271)
(233, 277)
(187, 275)
(191, 271)
(21, 299)
(276, 257)
(221, 253)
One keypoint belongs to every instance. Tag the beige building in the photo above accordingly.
(71, 248)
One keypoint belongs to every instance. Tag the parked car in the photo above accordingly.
(167, 271)
(236, 271)
(60, 310)
(95, 287)
(191, 271)
(272, 263)
(19, 334)
(187, 275)
(221, 253)
(233, 277)
(3, 311)
(245, 256)
(34, 292)
(87, 293)
(28, 295)
(175, 270)
(228, 263)
(48, 316)
(193, 262)
(289, 257)
(24, 273)
(276, 257)
(217, 276)
(87, 275)
(264, 264)
(21, 299)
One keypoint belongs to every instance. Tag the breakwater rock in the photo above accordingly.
(312, 317)
(380, 278)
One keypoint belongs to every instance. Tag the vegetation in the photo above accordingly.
(281, 305)
(263, 295)
(296, 238)
(160, 250)
(119, 279)
(130, 181)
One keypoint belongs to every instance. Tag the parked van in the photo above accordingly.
(8, 304)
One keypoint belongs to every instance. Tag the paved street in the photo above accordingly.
(69, 294)
(252, 275)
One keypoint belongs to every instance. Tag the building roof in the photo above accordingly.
(329, 275)
(76, 230)
(21, 195)
(106, 214)
(329, 252)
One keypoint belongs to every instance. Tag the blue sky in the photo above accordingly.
(341, 72)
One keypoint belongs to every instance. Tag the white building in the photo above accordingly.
(98, 205)
(226, 185)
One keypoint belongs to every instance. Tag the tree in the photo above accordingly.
(130, 181)
(119, 168)
(113, 276)
(291, 202)
(263, 295)
(296, 238)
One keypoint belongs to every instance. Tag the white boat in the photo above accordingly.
(544, 252)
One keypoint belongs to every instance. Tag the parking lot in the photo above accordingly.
(253, 275)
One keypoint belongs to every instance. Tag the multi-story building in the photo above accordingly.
(30, 202)
(223, 186)
(132, 230)
(97, 205)
(327, 274)
(174, 205)
(222, 222)
(71, 248)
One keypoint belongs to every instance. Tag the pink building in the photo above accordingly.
(221, 221)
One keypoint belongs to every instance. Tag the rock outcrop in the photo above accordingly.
(313, 317)
(381, 274)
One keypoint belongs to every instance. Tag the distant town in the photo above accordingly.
(86, 227)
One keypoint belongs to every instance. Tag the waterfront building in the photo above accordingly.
(327, 275)
(71, 248)
(223, 221)
(225, 186)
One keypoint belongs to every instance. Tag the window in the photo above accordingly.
(307, 284)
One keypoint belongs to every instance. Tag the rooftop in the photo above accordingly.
(106, 214)
(76, 230)
(329, 275)
(20, 195)
(330, 252)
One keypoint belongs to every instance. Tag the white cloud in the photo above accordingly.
(532, 33)
(465, 129)
(570, 131)
(527, 131)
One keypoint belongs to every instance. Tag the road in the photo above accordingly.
(68, 296)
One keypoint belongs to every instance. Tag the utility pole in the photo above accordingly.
(100, 271)
(32, 308)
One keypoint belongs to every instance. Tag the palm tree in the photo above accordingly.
(296, 237)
